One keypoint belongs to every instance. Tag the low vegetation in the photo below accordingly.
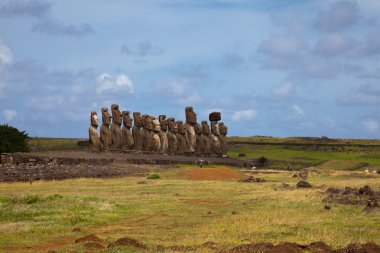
(13, 140)
(183, 209)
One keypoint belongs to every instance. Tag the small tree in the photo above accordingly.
(262, 161)
(12, 140)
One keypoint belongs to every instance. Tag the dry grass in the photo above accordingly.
(175, 211)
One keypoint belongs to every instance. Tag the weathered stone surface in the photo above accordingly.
(156, 129)
(116, 127)
(223, 138)
(162, 134)
(214, 138)
(105, 133)
(191, 120)
(199, 141)
(206, 142)
(214, 116)
(136, 130)
(181, 137)
(93, 136)
(127, 138)
(172, 136)
(146, 132)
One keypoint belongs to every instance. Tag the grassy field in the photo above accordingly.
(179, 210)
(341, 154)
(176, 211)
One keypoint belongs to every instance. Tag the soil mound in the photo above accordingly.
(303, 184)
(315, 247)
(356, 247)
(90, 238)
(126, 241)
(212, 174)
(352, 196)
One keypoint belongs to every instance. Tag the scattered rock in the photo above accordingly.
(303, 184)
(351, 196)
(366, 190)
(252, 179)
(327, 207)
(283, 186)
(126, 241)
(372, 206)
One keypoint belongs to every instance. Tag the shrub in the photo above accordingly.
(12, 140)
(261, 161)
(153, 176)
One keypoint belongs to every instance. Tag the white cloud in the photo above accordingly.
(109, 83)
(335, 44)
(6, 55)
(284, 46)
(283, 90)
(298, 110)
(371, 125)
(341, 15)
(244, 115)
(9, 114)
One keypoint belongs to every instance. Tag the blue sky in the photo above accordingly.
(278, 68)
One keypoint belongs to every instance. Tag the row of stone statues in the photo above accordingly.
(162, 135)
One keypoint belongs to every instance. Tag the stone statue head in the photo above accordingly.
(163, 122)
(198, 128)
(214, 127)
(147, 122)
(172, 125)
(191, 116)
(116, 114)
(181, 127)
(94, 119)
(205, 127)
(222, 128)
(106, 117)
(127, 120)
(137, 119)
(155, 124)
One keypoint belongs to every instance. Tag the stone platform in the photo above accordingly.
(63, 165)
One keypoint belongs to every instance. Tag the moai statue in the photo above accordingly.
(191, 120)
(214, 117)
(181, 137)
(156, 129)
(127, 138)
(206, 142)
(105, 133)
(162, 134)
(198, 133)
(116, 134)
(136, 130)
(93, 137)
(172, 136)
(223, 137)
(146, 133)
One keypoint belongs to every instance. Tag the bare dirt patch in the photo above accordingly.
(211, 174)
